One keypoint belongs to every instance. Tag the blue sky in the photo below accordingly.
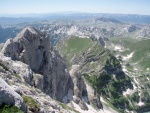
(92, 6)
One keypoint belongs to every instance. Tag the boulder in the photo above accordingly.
(76, 99)
(82, 105)
(17, 89)
(9, 97)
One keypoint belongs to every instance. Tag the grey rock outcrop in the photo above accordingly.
(29, 46)
(17, 75)
(96, 101)
(9, 97)
(83, 93)
(79, 84)
(101, 41)
(79, 87)
(32, 47)
(83, 105)
(59, 78)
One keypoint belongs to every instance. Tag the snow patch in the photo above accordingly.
(128, 56)
(134, 86)
(90, 109)
(136, 81)
(147, 69)
(127, 92)
(130, 91)
(140, 103)
(118, 48)
(135, 69)
(83, 37)
(102, 100)
(124, 69)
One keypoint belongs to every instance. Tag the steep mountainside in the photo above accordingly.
(104, 67)
(83, 73)
(134, 57)
(35, 79)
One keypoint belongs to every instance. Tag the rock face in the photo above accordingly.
(32, 47)
(10, 97)
(58, 78)
(29, 46)
(79, 87)
(20, 78)
(101, 41)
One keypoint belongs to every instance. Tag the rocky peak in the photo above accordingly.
(29, 31)
(29, 46)
(32, 47)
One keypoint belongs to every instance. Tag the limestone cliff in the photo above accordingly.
(32, 47)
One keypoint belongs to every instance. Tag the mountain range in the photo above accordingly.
(85, 65)
(6, 19)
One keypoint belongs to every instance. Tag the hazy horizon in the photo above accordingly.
(8, 7)
(71, 12)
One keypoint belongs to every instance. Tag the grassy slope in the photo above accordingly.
(94, 53)
(141, 49)
(141, 56)
(9, 109)
(95, 58)
(74, 46)
(142, 53)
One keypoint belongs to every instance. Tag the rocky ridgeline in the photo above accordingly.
(31, 67)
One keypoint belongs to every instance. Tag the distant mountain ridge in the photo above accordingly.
(19, 18)
(104, 19)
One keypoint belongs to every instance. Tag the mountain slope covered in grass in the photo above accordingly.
(140, 49)
(111, 73)
(134, 56)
